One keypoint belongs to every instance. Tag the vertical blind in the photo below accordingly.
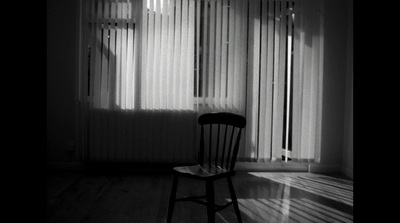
(150, 67)
(270, 26)
(167, 79)
(284, 81)
(222, 41)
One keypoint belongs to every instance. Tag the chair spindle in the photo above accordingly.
(216, 150)
(230, 148)
(223, 148)
(209, 147)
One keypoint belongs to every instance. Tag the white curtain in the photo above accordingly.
(150, 67)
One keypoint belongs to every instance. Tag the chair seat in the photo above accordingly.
(198, 171)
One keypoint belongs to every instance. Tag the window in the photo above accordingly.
(260, 59)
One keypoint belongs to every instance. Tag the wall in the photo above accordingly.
(61, 73)
(347, 158)
(335, 107)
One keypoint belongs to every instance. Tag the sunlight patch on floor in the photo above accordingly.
(290, 210)
(329, 187)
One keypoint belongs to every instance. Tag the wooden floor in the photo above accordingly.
(143, 197)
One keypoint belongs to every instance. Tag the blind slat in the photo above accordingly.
(231, 53)
(218, 39)
(224, 53)
(177, 56)
(184, 72)
(211, 50)
(264, 121)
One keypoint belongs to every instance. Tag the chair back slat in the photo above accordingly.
(217, 145)
(224, 157)
(224, 146)
(201, 152)
(235, 150)
(229, 148)
(209, 147)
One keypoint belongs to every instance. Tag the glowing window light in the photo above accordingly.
(154, 4)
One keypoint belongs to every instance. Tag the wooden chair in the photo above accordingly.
(214, 163)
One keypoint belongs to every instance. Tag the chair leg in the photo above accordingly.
(234, 199)
(172, 198)
(210, 201)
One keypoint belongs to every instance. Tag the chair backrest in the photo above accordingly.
(220, 138)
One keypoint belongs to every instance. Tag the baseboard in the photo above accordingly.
(271, 167)
(289, 167)
(348, 172)
(65, 166)
(324, 168)
(240, 166)
(113, 166)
